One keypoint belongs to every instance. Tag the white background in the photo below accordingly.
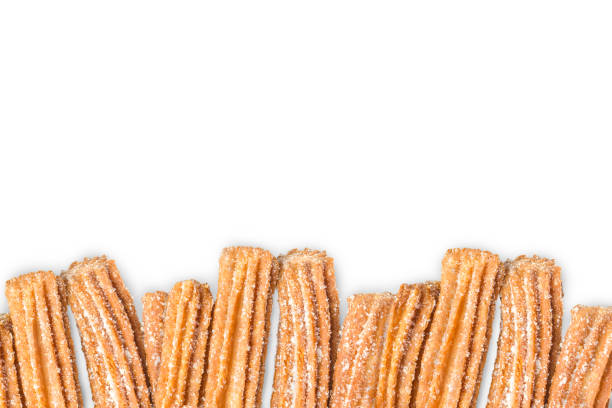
(385, 132)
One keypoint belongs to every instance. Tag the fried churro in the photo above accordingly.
(240, 326)
(181, 374)
(456, 347)
(10, 391)
(357, 368)
(583, 375)
(308, 330)
(111, 335)
(530, 335)
(153, 309)
(409, 321)
(45, 353)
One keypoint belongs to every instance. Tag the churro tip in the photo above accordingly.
(77, 267)
(471, 253)
(231, 250)
(579, 309)
(29, 277)
(526, 263)
(534, 260)
(155, 294)
(305, 254)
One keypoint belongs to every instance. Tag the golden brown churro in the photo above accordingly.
(41, 330)
(153, 308)
(181, 375)
(409, 321)
(240, 326)
(10, 391)
(583, 375)
(456, 347)
(111, 335)
(530, 336)
(309, 309)
(357, 367)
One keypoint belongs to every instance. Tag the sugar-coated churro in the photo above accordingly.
(530, 336)
(111, 335)
(10, 390)
(456, 346)
(583, 375)
(357, 367)
(409, 321)
(45, 352)
(153, 308)
(240, 326)
(309, 317)
(183, 357)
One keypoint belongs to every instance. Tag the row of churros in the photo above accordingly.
(423, 347)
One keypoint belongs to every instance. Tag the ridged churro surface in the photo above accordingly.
(363, 337)
(240, 326)
(183, 357)
(111, 335)
(409, 322)
(45, 352)
(153, 309)
(308, 330)
(10, 390)
(456, 346)
(530, 335)
(583, 375)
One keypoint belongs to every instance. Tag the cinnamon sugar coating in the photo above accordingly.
(583, 375)
(10, 389)
(111, 335)
(45, 352)
(530, 335)
(458, 339)
(153, 309)
(240, 326)
(409, 322)
(308, 330)
(362, 341)
(183, 357)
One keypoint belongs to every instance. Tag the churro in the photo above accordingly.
(45, 353)
(153, 308)
(308, 330)
(10, 391)
(583, 375)
(409, 321)
(111, 335)
(357, 367)
(530, 335)
(181, 374)
(458, 339)
(240, 326)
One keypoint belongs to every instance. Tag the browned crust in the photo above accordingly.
(111, 335)
(583, 377)
(458, 339)
(359, 355)
(44, 347)
(308, 301)
(238, 340)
